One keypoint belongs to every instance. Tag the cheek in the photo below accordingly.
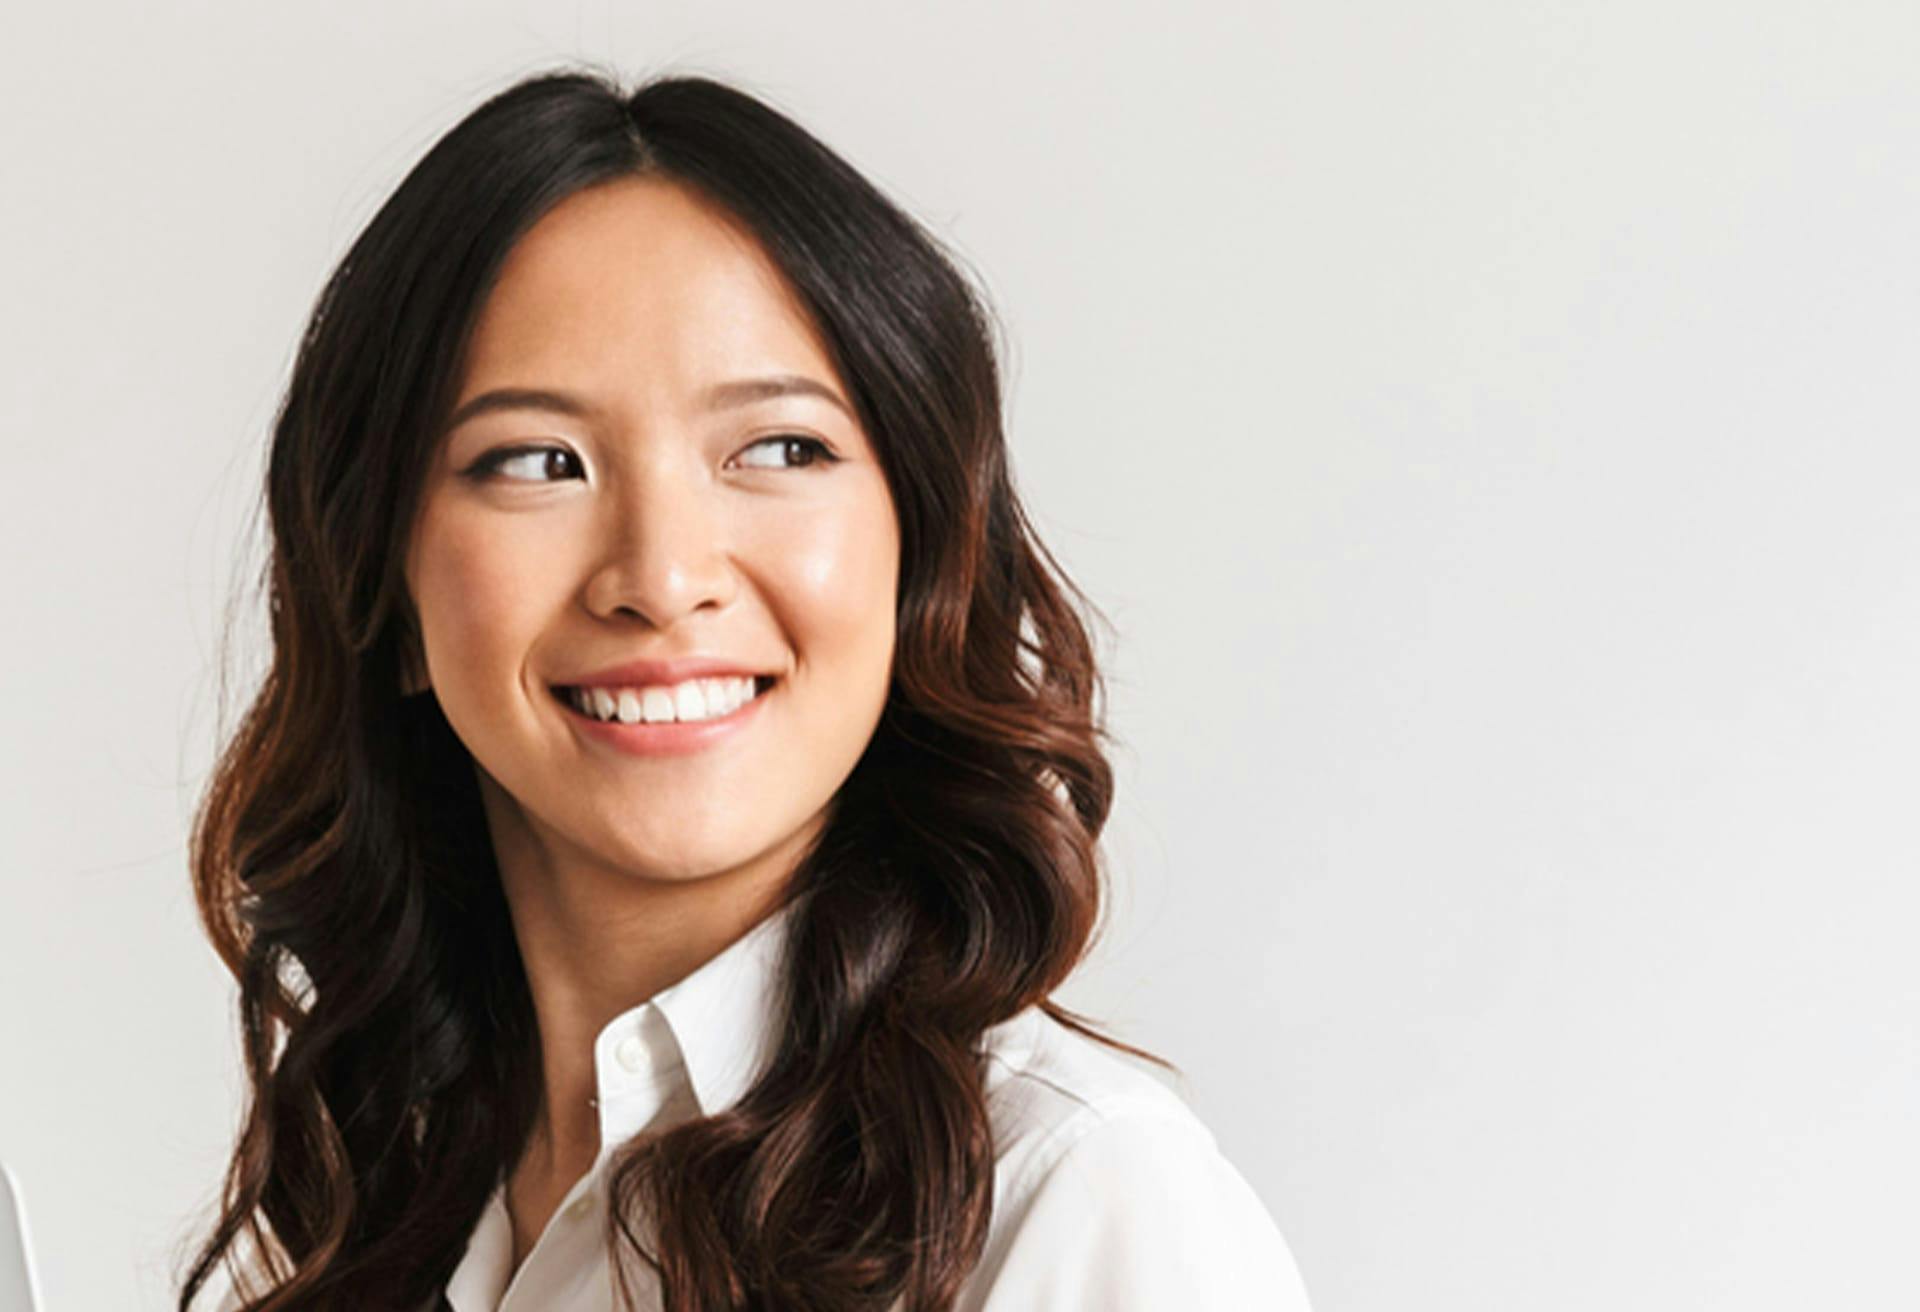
(836, 577)
(471, 590)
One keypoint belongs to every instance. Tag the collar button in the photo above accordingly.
(631, 1053)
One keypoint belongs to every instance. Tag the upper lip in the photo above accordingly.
(660, 674)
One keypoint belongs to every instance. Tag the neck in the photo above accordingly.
(599, 940)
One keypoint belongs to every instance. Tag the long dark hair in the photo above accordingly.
(340, 854)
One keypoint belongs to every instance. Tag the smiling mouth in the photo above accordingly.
(566, 695)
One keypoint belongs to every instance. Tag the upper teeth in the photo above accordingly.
(696, 699)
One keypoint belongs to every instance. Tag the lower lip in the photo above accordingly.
(667, 739)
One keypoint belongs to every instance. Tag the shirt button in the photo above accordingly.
(580, 1206)
(631, 1053)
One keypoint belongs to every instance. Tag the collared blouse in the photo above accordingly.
(1109, 1192)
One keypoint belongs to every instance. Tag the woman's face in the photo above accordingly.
(654, 506)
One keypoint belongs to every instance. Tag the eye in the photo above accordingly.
(786, 444)
(493, 461)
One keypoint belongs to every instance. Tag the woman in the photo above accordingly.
(675, 793)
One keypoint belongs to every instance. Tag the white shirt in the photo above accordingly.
(1109, 1192)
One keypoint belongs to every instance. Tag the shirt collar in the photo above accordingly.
(722, 1017)
(707, 1036)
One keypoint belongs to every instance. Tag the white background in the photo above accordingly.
(1491, 427)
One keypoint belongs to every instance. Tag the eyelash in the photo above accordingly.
(490, 463)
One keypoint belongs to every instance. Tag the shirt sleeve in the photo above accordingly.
(1142, 1212)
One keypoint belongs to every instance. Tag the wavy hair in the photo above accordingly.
(340, 856)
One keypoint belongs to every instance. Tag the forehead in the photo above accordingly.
(639, 279)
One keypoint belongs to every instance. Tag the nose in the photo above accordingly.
(665, 553)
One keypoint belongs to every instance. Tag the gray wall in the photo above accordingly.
(1491, 427)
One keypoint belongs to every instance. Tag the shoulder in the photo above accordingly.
(221, 1294)
(1048, 1085)
(1110, 1191)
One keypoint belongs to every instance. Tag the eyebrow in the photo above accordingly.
(737, 392)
